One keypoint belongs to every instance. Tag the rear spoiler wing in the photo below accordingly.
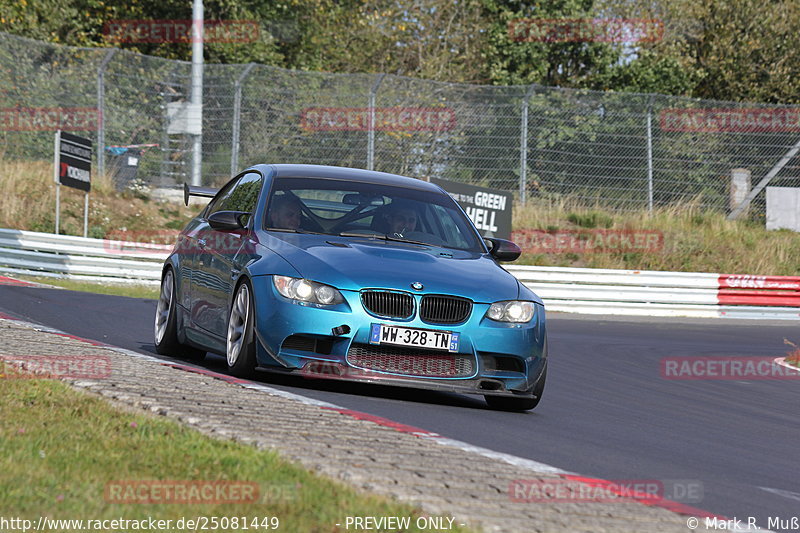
(193, 190)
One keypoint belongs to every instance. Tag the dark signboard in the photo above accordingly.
(489, 209)
(74, 161)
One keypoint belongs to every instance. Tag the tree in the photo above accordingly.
(741, 50)
(520, 59)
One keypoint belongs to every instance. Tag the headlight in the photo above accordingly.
(511, 311)
(307, 291)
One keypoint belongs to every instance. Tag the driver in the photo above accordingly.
(285, 212)
(402, 219)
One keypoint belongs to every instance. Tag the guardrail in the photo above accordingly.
(49, 255)
(572, 290)
(651, 293)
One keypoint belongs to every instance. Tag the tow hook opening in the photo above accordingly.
(486, 384)
(344, 329)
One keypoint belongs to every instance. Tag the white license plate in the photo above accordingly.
(419, 338)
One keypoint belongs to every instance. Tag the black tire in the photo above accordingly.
(165, 328)
(509, 403)
(240, 339)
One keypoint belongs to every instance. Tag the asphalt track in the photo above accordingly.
(606, 413)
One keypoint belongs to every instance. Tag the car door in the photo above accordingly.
(221, 254)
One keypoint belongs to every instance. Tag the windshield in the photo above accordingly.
(368, 210)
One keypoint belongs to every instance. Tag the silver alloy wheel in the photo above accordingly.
(237, 324)
(164, 306)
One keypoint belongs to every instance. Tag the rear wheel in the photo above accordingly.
(165, 329)
(241, 346)
(506, 403)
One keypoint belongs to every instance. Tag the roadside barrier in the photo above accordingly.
(654, 293)
(564, 289)
(63, 256)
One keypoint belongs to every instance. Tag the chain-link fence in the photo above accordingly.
(616, 150)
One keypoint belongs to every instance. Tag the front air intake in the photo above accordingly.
(441, 309)
(388, 304)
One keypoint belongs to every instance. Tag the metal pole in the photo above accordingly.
(650, 159)
(197, 88)
(371, 127)
(101, 112)
(57, 147)
(86, 215)
(237, 108)
(765, 181)
(523, 149)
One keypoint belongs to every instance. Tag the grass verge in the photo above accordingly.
(60, 448)
(693, 240)
(133, 291)
(29, 199)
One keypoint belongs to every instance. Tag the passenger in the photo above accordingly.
(285, 212)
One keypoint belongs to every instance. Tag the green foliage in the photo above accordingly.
(651, 73)
(591, 219)
(723, 49)
(742, 50)
(564, 64)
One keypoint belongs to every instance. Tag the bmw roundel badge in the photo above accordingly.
(417, 286)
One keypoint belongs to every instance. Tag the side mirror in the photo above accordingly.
(227, 220)
(503, 250)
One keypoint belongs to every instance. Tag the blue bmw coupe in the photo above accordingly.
(331, 272)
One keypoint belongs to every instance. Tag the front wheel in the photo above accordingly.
(166, 323)
(241, 346)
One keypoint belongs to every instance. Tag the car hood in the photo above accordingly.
(356, 263)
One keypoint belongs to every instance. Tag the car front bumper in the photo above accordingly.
(315, 341)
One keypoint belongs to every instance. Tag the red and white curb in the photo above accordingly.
(13, 282)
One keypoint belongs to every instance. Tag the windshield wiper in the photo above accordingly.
(290, 230)
(381, 236)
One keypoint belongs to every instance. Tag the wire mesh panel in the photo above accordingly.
(458, 132)
(614, 150)
(301, 117)
(43, 88)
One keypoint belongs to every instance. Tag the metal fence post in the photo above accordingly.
(371, 126)
(196, 97)
(788, 156)
(523, 149)
(237, 109)
(101, 112)
(650, 158)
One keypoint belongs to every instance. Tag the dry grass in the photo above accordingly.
(694, 240)
(29, 198)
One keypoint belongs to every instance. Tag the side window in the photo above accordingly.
(218, 201)
(239, 195)
(452, 234)
(244, 196)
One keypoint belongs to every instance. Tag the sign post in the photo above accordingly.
(489, 209)
(72, 167)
